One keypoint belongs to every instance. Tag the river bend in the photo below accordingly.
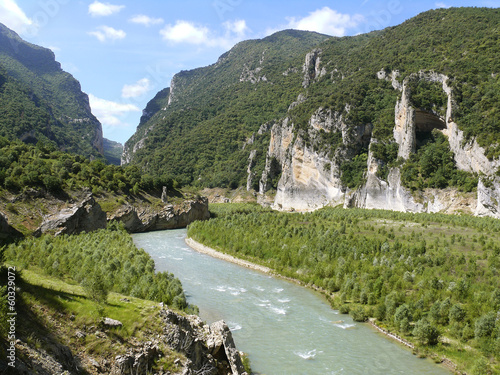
(285, 328)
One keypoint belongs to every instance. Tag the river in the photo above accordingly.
(285, 328)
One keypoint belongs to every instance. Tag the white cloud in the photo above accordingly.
(326, 21)
(239, 27)
(98, 9)
(12, 16)
(185, 32)
(145, 20)
(137, 89)
(109, 112)
(442, 5)
(190, 33)
(104, 33)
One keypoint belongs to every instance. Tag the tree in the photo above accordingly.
(457, 313)
(425, 332)
(96, 288)
(485, 325)
(402, 317)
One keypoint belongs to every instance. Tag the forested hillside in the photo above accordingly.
(433, 279)
(40, 101)
(195, 131)
(215, 118)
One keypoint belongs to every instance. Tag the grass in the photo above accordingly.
(53, 310)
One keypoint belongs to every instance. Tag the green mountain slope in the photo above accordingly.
(112, 151)
(200, 126)
(211, 113)
(40, 101)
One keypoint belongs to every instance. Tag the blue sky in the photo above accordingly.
(123, 51)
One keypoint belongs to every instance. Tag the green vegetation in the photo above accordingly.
(432, 278)
(39, 101)
(433, 166)
(43, 166)
(52, 311)
(198, 139)
(101, 261)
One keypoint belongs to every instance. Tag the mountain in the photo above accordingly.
(112, 151)
(195, 130)
(405, 118)
(40, 101)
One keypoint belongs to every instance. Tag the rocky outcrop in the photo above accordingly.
(469, 156)
(488, 197)
(137, 361)
(310, 176)
(198, 348)
(311, 67)
(143, 219)
(209, 349)
(84, 216)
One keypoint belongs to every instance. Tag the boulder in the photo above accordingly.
(85, 216)
(111, 323)
(130, 219)
(138, 361)
(172, 217)
(208, 348)
(168, 217)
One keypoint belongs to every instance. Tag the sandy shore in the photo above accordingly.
(229, 258)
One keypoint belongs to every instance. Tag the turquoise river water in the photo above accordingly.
(285, 328)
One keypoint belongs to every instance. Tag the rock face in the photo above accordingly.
(310, 179)
(310, 175)
(85, 216)
(169, 217)
(137, 361)
(210, 349)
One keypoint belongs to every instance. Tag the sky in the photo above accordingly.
(123, 52)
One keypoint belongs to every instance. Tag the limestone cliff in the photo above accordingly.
(311, 178)
(315, 120)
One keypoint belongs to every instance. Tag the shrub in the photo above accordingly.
(358, 314)
(425, 332)
(344, 309)
(485, 325)
(95, 287)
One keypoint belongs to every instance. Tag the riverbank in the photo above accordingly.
(446, 363)
(229, 258)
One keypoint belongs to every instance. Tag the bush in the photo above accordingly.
(344, 309)
(426, 333)
(358, 314)
(457, 313)
(96, 288)
(485, 325)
